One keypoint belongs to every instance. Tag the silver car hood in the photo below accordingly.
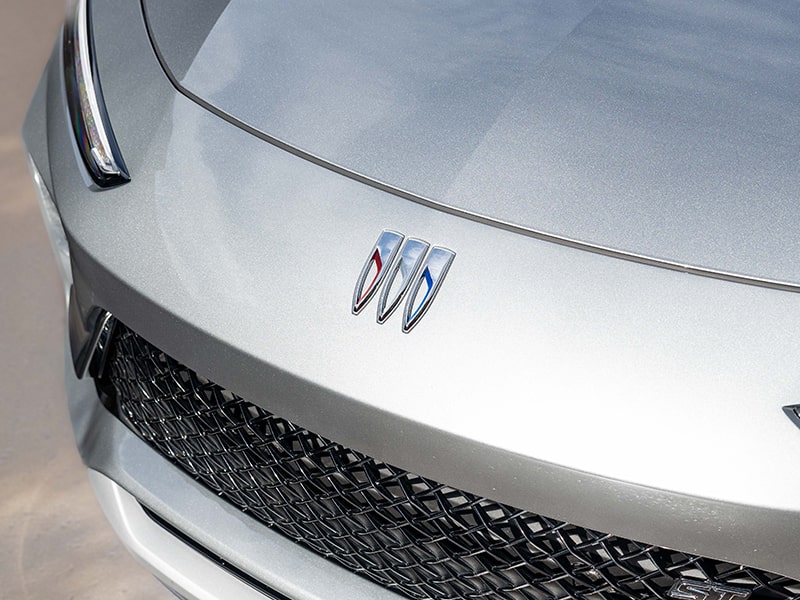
(666, 130)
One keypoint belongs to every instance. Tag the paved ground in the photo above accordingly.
(54, 541)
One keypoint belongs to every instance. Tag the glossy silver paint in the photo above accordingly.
(182, 569)
(568, 372)
(664, 131)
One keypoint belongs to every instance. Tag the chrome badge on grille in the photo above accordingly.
(690, 589)
(415, 269)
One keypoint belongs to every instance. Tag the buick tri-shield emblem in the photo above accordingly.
(402, 267)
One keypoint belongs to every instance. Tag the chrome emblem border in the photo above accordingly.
(401, 265)
(431, 276)
(406, 267)
(692, 589)
(381, 258)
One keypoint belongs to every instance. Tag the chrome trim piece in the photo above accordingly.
(88, 339)
(431, 276)
(99, 348)
(379, 261)
(689, 589)
(406, 266)
(793, 412)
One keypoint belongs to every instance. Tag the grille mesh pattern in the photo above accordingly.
(410, 534)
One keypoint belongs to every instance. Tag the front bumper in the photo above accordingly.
(617, 396)
(186, 572)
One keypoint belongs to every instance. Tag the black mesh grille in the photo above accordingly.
(408, 533)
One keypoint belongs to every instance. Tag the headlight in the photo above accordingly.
(87, 110)
(55, 230)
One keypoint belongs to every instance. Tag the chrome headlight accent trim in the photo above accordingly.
(90, 123)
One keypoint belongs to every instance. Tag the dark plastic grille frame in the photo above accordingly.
(408, 533)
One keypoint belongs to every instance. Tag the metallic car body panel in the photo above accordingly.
(530, 350)
(34, 128)
(665, 130)
(186, 572)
